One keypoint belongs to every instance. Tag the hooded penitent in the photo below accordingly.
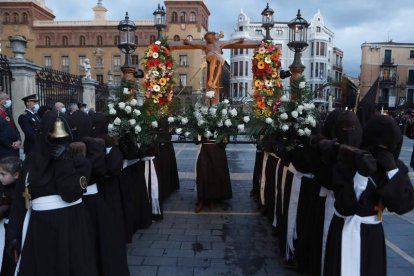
(347, 129)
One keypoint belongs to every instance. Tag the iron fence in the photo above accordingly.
(101, 96)
(5, 75)
(57, 86)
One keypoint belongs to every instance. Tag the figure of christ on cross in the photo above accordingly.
(213, 50)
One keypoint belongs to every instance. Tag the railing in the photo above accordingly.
(101, 96)
(57, 86)
(5, 75)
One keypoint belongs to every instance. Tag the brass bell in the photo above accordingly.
(59, 130)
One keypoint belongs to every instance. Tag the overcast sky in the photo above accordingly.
(353, 21)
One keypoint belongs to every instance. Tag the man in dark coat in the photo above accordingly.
(10, 141)
(29, 122)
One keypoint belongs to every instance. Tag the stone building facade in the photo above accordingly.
(322, 59)
(63, 45)
(393, 64)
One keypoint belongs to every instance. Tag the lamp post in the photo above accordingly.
(127, 45)
(298, 36)
(159, 20)
(267, 21)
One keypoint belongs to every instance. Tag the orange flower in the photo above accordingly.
(153, 83)
(163, 81)
(166, 51)
(260, 105)
(260, 65)
(155, 48)
(257, 83)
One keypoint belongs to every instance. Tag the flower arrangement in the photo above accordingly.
(211, 122)
(158, 79)
(267, 85)
(128, 119)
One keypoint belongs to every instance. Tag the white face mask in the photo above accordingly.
(8, 103)
(63, 110)
(36, 107)
(86, 110)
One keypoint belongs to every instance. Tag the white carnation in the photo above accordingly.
(213, 111)
(227, 123)
(121, 105)
(285, 127)
(132, 122)
(220, 123)
(210, 94)
(155, 55)
(128, 109)
(110, 127)
(187, 133)
(158, 42)
(246, 119)
(226, 101)
(125, 91)
(117, 121)
(300, 109)
(111, 105)
(137, 129)
(208, 134)
(112, 111)
(283, 116)
(233, 112)
(224, 112)
(171, 120)
(184, 120)
(133, 102)
(301, 132)
(294, 114)
(307, 131)
(154, 124)
(240, 127)
(200, 122)
(204, 109)
(269, 120)
(156, 88)
(137, 112)
(179, 131)
(302, 85)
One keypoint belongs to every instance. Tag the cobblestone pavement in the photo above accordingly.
(233, 238)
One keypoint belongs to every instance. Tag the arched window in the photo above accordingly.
(176, 38)
(47, 41)
(192, 17)
(116, 40)
(136, 40)
(6, 18)
(99, 41)
(15, 18)
(174, 17)
(82, 41)
(152, 39)
(183, 17)
(189, 37)
(25, 18)
(65, 41)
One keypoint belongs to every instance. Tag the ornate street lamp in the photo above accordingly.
(159, 20)
(127, 44)
(267, 21)
(298, 36)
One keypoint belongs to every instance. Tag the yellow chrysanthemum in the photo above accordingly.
(274, 74)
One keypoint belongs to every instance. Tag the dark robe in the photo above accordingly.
(396, 194)
(6, 199)
(257, 172)
(213, 176)
(57, 241)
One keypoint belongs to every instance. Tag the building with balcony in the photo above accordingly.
(393, 64)
(322, 59)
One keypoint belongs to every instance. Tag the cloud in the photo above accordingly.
(353, 21)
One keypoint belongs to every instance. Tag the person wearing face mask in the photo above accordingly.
(10, 141)
(29, 122)
(60, 107)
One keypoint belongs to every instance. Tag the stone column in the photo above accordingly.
(24, 75)
(88, 96)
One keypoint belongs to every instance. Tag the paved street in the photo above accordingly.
(233, 238)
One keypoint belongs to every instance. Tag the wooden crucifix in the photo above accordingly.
(213, 50)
